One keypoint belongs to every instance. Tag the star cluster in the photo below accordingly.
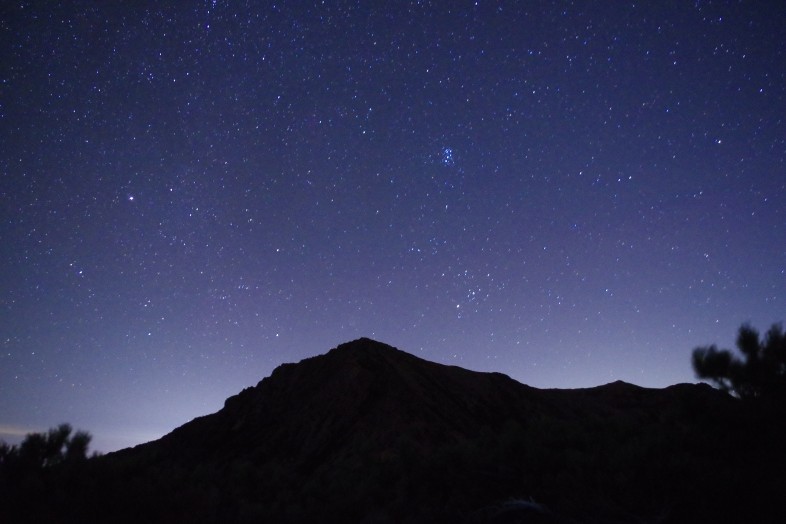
(193, 193)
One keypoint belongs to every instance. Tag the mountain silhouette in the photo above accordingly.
(369, 433)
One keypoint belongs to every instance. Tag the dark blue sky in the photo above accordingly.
(570, 193)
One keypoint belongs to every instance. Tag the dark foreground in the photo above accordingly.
(367, 433)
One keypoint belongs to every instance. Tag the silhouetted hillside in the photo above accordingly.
(368, 433)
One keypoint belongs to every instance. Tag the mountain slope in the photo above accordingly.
(360, 393)
(368, 433)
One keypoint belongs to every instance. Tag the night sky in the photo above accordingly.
(569, 193)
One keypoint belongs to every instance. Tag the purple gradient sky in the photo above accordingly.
(570, 193)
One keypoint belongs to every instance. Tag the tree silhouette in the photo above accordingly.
(43, 450)
(759, 374)
(43, 475)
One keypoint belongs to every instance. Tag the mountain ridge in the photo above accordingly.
(369, 433)
(371, 364)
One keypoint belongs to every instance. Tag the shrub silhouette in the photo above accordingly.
(760, 374)
(41, 475)
(42, 450)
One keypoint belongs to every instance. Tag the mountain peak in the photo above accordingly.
(368, 428)
(364, 344)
